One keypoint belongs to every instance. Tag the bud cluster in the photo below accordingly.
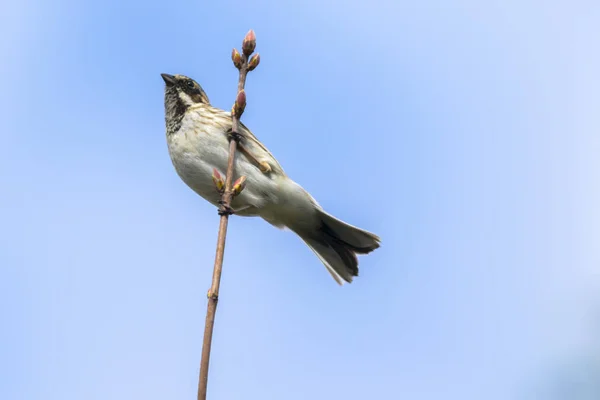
(244, 63)
(248, 46)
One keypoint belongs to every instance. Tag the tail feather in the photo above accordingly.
(337, 243)
(331, 260)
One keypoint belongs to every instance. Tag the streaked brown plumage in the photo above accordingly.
(198, 142)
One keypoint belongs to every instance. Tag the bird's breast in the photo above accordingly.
(196, 149)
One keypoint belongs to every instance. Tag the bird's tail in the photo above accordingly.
(337, 243)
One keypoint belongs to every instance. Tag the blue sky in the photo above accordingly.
(463, 133)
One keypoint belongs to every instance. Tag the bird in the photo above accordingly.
(198, 144)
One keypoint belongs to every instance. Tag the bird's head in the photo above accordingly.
(184, 91)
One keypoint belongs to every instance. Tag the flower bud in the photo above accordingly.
(218, 181)
(254, 61)
(236, 58)
(240, 104)
(239, 185)
(249, 43)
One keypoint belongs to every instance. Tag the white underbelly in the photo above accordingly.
(194, 165)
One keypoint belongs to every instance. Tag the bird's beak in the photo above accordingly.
(169, 79)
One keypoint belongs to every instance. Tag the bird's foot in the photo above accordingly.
(264, 167)
(234, 136)
(225, 209)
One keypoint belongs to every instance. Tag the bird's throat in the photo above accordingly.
(175, 109)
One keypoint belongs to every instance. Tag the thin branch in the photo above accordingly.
(228, 191)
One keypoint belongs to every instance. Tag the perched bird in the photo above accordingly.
(197, 137)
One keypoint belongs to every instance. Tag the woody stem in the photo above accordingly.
(224, 212)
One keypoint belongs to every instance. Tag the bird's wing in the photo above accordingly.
(249, 140)
(253, 140)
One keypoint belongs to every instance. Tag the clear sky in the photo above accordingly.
(464, 133)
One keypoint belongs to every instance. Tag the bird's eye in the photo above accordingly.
(190, 84)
